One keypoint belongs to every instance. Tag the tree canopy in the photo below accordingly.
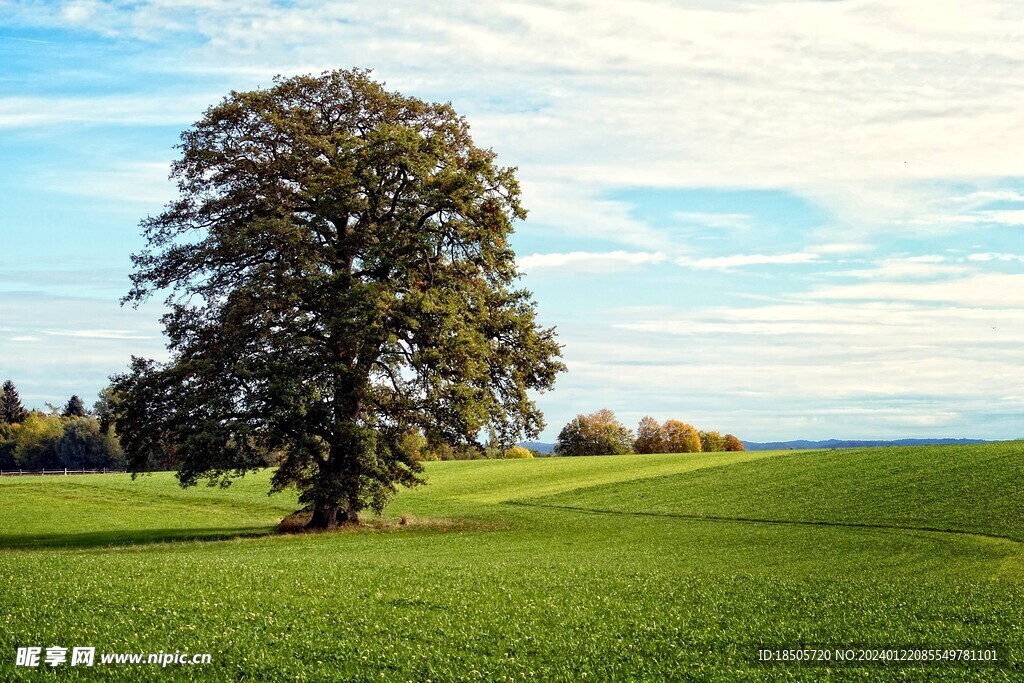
(711, 441)
(679, 437)
(674, 436)
(74, 407)
(649, 437)
(42, 441)
(598, 433)
(338, 276)
(731, 443)
(11, 409)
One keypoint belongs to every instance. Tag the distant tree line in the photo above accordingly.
(423, 449)
(70, 437)
(601, 433)
(77, 438)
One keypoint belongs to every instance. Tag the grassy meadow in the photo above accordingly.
(624, 568)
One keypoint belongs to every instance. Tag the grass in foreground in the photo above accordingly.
(607, 572)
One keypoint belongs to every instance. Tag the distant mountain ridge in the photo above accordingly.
(539, 446)
(804, 444)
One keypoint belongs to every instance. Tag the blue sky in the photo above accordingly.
(777, 219)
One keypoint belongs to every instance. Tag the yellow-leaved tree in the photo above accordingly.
(679, 437)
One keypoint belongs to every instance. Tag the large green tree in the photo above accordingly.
(338, 276)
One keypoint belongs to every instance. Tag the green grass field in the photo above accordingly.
(660, 568)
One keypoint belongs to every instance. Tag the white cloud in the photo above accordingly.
(144, 182)
(776, 94)
(896, 118)
(740, 260)
(579, 210)
(99, 334)
(908, 348)
(881, 324)
(882, 368)
(51, 277)
(985, 196)
(839, 248)
(859, 387)
(587, 262)
(79, 12)
(989, 256)
(981, 290)
(173, 108)
(52, 348)
(723, 221)
(1005, 217)
(930, 420)
(928, 267)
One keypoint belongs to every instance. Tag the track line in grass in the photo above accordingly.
(782, 522)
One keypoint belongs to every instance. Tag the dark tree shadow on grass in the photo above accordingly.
(127, 537)
(114, 538)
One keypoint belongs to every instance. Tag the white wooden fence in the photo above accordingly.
(65, 471)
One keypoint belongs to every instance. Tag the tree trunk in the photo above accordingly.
(351, 513)
(325, 516)
(350, 517)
